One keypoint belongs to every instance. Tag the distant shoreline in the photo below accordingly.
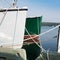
(49, 24)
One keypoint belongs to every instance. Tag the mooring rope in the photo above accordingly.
(43, 50)
(34, 40)
(43, 33)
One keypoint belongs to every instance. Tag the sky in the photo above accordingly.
(48, 9)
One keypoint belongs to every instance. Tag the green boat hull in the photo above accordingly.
(33, 25)
(32, 51)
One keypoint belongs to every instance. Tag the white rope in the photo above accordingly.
(3, 18)
(49, 30)
(5, 13)
(35, 41)
(40, 35)
(30, 38)
(43, 33)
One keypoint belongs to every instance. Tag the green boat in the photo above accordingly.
(32, 31)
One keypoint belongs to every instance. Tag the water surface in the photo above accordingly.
(49, 40)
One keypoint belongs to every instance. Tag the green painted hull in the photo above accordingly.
(33, 25)
(32, 51)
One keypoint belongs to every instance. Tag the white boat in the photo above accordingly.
(12, 25)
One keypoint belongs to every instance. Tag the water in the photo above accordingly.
(49, 40)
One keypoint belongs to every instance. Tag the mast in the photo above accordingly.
(15, 3)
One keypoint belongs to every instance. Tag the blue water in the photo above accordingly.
(49, 40)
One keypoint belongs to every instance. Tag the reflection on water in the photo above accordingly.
(49, 40)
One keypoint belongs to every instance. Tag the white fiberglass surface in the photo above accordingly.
(59, 41)
(12, 28)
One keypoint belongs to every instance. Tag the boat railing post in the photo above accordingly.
(58, 40)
